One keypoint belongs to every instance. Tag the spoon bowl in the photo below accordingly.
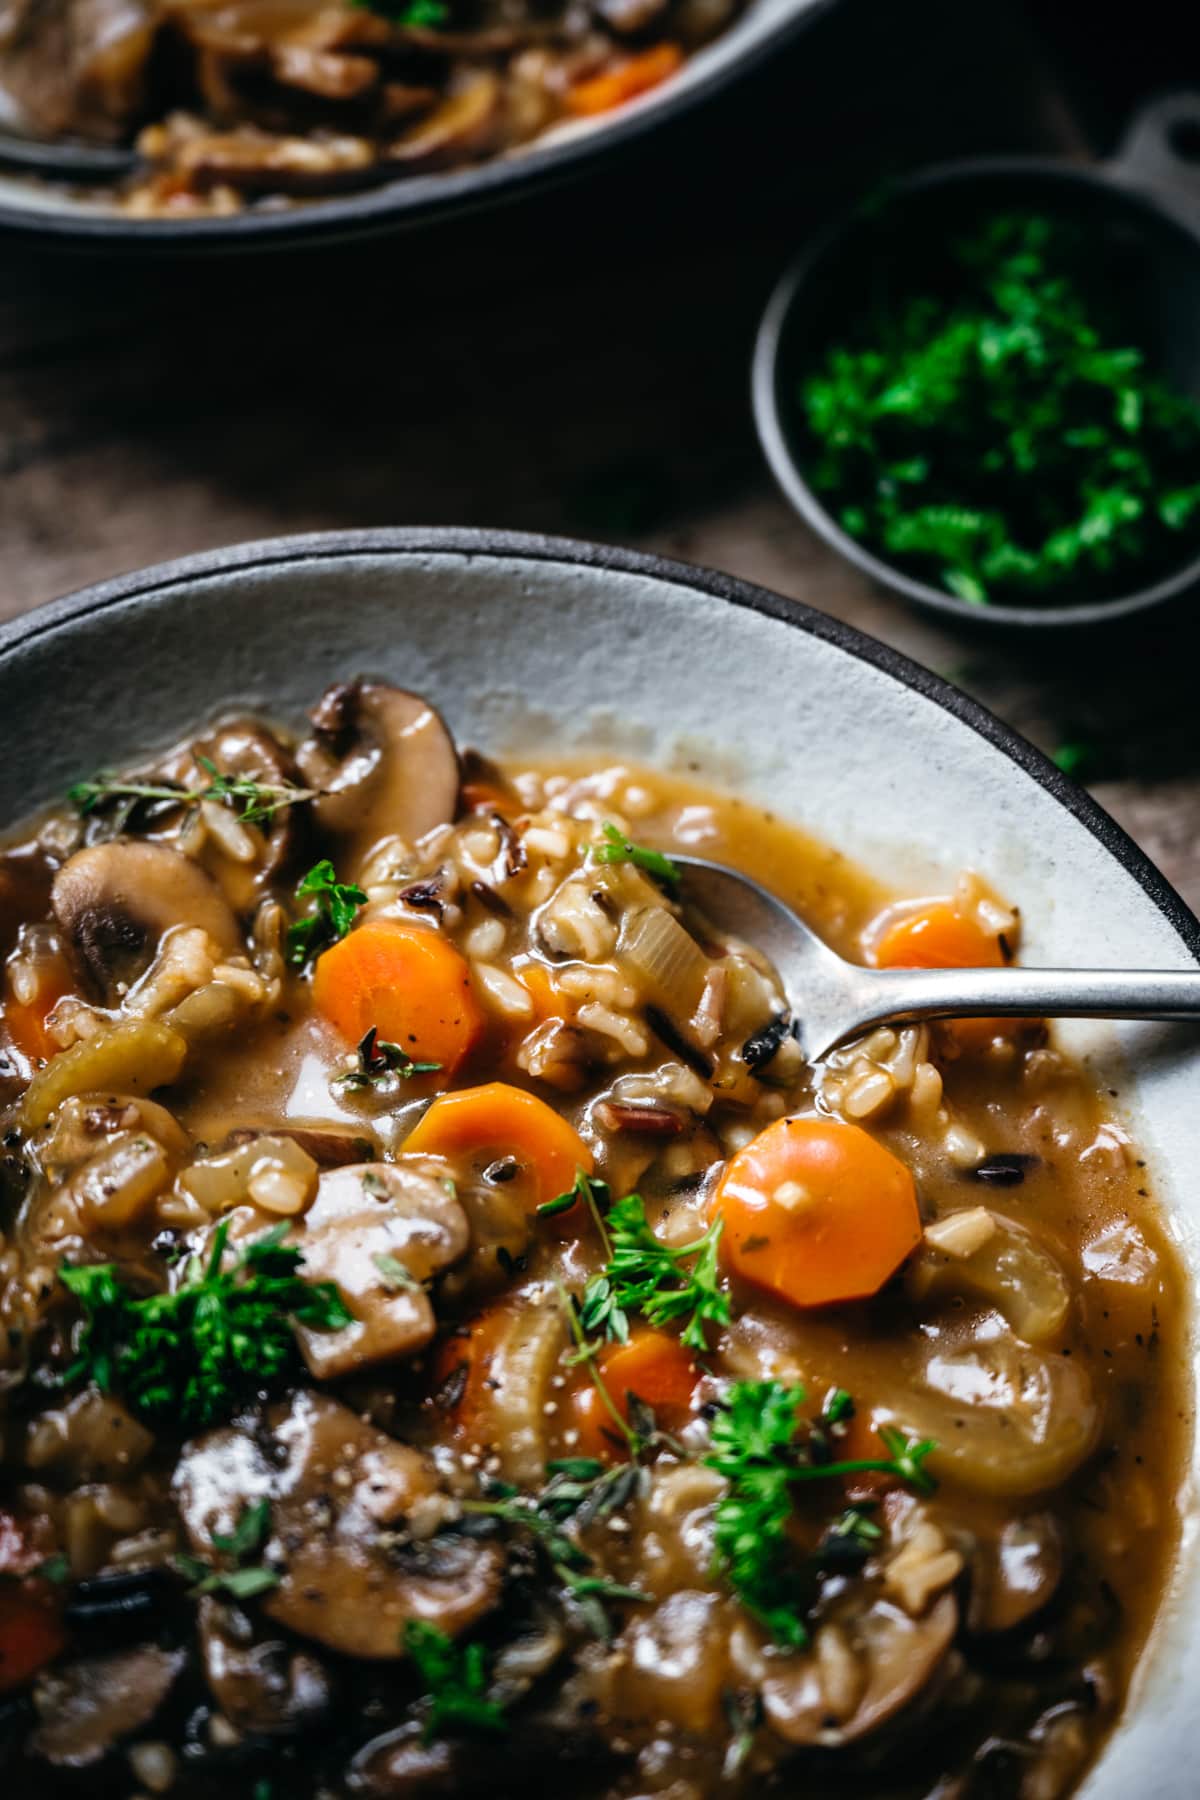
(832, 1000)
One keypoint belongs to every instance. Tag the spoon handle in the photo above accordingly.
(904, 996)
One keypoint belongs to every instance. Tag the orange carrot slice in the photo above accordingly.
(636, 75)
(27, 1021)
(653, 1366)
(496, 1120)
(938, 937)
(817, 1212)
(409, 982)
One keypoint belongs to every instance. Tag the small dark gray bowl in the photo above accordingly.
(1145, 207)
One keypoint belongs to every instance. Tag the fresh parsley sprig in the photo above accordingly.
(456, 1681)
(663, 1284)
(641, 1274)
(378, 1063)
(337, 904)
(185, 1359)
(245, 1579)
(428, 14)
(760, 1446)
(991, 431)
(617, 848)
(254, 802)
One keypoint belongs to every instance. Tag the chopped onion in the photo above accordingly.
(522, 1366)
(669, 965)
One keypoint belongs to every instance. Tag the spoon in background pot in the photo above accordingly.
(832, 999)
(60, 159)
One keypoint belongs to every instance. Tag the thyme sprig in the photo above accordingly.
(254, 802)
(379, 1063)
(580, 1490)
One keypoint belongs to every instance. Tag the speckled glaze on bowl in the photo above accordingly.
(532, 643)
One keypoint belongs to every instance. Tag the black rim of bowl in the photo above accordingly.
(414, 200)
(767, 375)
(403, 542)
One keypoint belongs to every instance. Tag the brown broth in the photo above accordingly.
(1072, 1184)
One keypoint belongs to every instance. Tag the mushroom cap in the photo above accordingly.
(245, 748)
(900, 1656)
(1016, 1574)
(402, 1211)
(353, 1521)
(115, 902)
(386, 764)
(88, 1706)
(262, 1685)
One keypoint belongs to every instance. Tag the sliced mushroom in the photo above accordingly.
(354, 1518)
(115, 902)
(539, 1753)
(379, 1231)
(1015, 1576)
(464, 126)
(261, 1685)
(669, 1666)
(386, 763)
(898, 1659)
(87, 1707)
(263, 162)
(77, 66)
(329, 1146)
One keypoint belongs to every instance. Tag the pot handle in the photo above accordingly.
(1160, 151)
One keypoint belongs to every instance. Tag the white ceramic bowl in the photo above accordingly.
(532, 643)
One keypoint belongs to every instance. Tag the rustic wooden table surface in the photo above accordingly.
(577, 364)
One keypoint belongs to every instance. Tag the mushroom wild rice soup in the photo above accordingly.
(452, 1343)
(236, 102)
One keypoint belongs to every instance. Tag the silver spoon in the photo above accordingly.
(833, 999)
